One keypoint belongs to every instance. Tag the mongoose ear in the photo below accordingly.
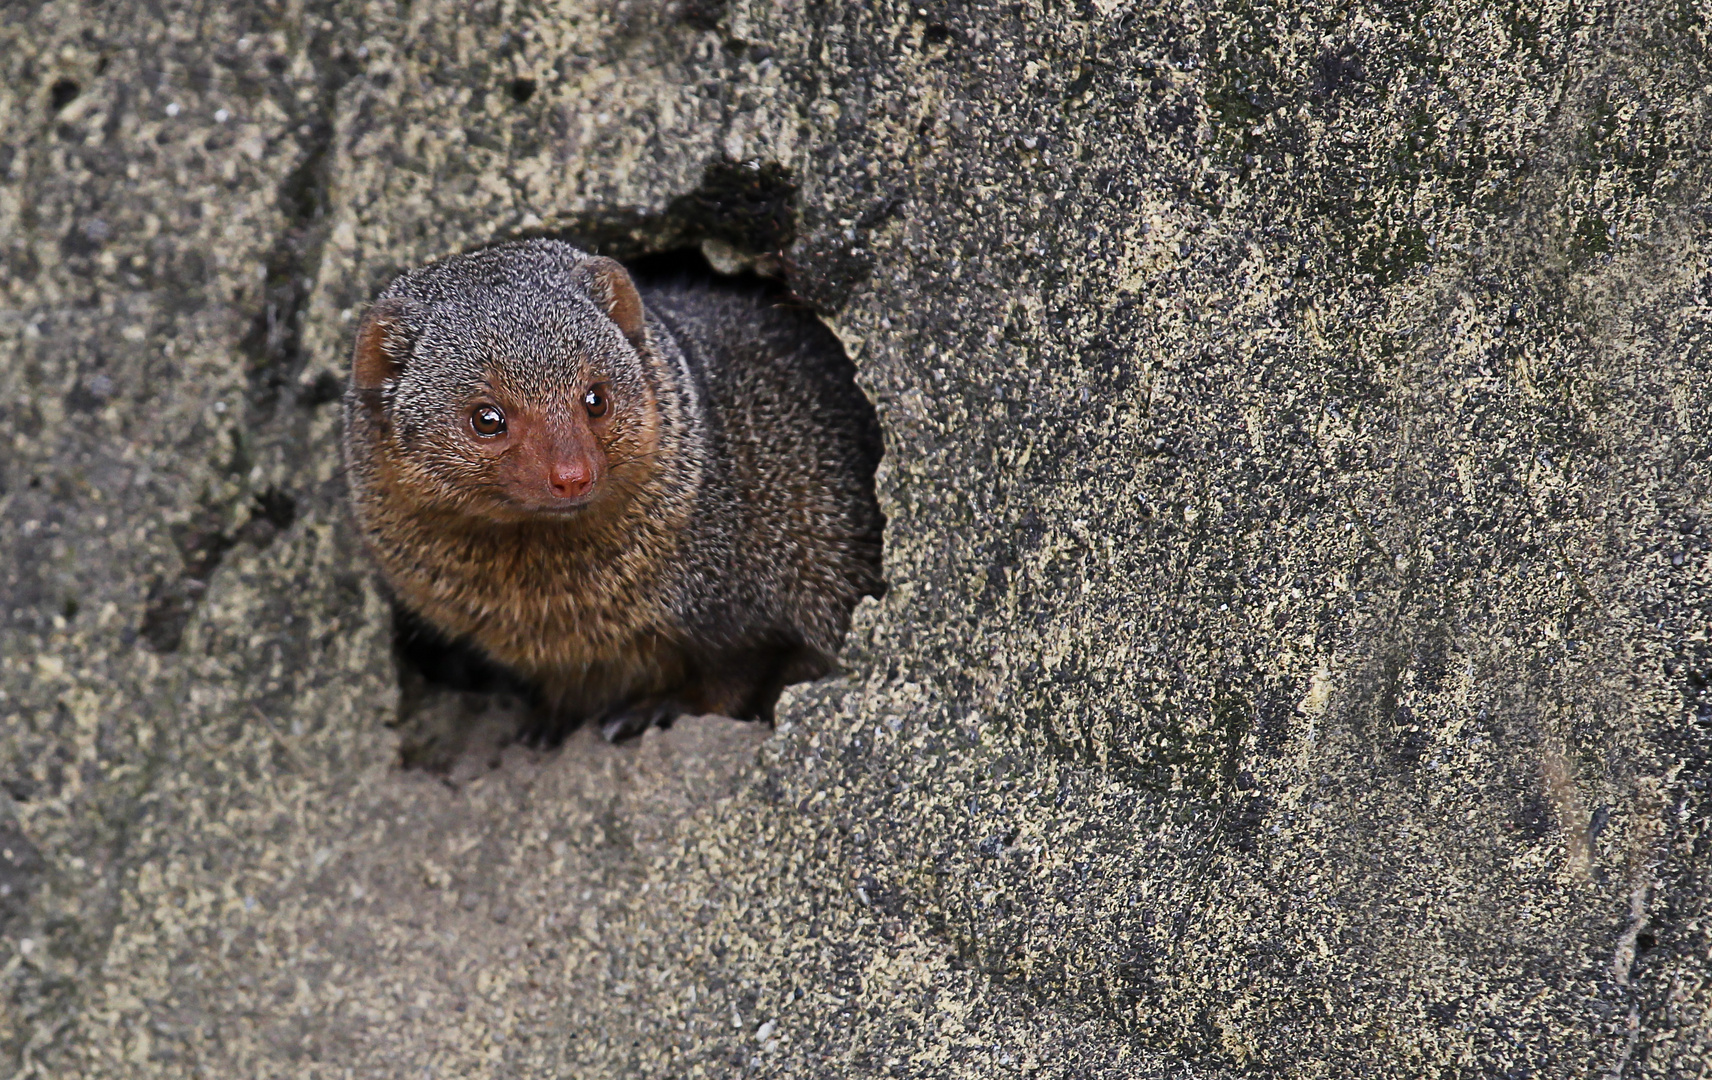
(610, 286)
(383, 344)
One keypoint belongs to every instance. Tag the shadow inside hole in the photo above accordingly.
(690, 266)
(458, 709)
(747, 209)
(63, 92)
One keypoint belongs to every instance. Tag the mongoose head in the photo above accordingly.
(511, 384)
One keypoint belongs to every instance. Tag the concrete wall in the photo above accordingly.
(1296, 656)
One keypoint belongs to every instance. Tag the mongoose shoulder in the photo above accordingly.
(645, 502)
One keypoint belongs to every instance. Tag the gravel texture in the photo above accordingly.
(1296, 656)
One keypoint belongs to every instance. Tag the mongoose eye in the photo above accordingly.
(487, 421)
(595, 400)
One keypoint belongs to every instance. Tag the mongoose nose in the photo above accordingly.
(570, 479)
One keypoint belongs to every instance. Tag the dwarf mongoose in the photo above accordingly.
(646, 502)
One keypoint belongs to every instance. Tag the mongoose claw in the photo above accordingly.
(633, 722)
(543, 730)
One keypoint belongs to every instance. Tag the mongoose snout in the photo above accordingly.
(644, 501)
(547, 459)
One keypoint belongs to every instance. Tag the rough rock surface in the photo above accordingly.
(1296, 657)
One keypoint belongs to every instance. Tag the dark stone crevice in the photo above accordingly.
(274, 341)
(62, 93)
(203, 546)
(273, 345)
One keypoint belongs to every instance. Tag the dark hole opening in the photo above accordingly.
(690, 265)
(445, 663)
(521, 90)
(276, 507)
(325, 387)
(63, 93)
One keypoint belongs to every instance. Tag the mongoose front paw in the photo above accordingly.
(544, 729)
(635, 720)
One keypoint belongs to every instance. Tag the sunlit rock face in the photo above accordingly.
(1295, 656)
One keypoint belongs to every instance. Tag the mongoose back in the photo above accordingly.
(644, 502)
